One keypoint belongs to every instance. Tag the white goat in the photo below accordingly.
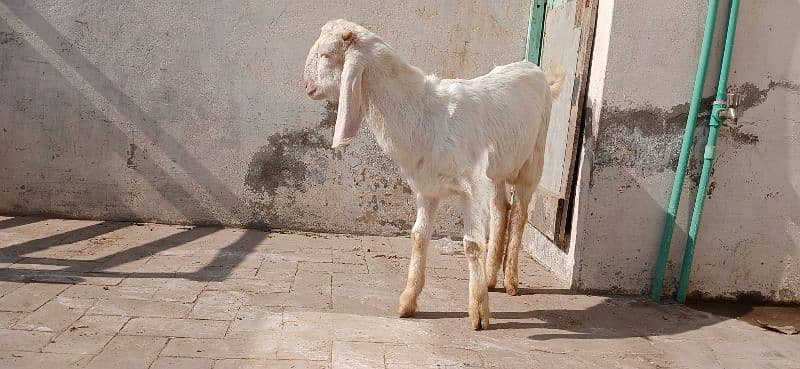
(448, 136)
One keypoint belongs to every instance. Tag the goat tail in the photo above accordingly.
(555, 80)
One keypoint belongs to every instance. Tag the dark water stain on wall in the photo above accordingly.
(649, 138)
(10, 38)
(280, 163)
(329, 116)
(644, 138)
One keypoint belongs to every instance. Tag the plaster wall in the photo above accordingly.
(193, 112)
(642, 78)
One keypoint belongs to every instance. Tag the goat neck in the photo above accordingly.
(396, 95)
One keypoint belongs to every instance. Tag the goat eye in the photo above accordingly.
(324, 55)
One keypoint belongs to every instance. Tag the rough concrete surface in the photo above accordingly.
(84, 294)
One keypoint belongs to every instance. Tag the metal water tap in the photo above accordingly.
(732, 102)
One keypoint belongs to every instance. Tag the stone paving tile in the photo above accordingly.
(121, 265)
(162, 282)
(100, 279)
(247, 299)
(291, 299)
(308, 324)
(356, 327)
(357, 355)
(270, 364)
(243, 259)
(460, 274)
(298, 348)
(30, 296)
(168, 289)
(27, 265)
(105, 292)
(54, 316)
(405, 356)
(8, 318)
(380, 244)
(75, 302)
(100, 247)
(161, 263)
(169, 327)
(218, 305)
(384, 264)
(182, 363)
(354, 256)
(733, 354)
(88, 335)
(365, 294)
(309, 290)
(295, 248)
(298, 240)
(256, 320)
(128, 307)
(217, 273)
(178, 293)
(252, 285)
(279, 270)
(41, 360)
(252, 347)
(7, 287)
(333, 268)
(298, 255)
(21, 340)
(313, 283)
(129, 352)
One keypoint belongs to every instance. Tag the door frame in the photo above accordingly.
(551, 212)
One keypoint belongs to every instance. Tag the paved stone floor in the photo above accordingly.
(82, 294)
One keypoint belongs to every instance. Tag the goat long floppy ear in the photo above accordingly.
(351, 111)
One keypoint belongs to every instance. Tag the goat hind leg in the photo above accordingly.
(519, 217)
(497, 234)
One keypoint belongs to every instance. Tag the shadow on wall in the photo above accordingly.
(77, 110)
(185, 201)
(749, 241)
(99, 125)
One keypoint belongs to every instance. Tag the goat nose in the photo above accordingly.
(310, 89)
(305, 84)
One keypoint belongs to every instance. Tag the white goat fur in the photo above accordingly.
(448, 136)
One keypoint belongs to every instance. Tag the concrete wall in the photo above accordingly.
(749, 242)
(193, 111)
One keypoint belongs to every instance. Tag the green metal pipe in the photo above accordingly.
(533, 48)
(710, 151)
(686, 148)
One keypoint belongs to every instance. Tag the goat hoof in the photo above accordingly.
(511, 286)
(408, 305)
(479, 310)
(479, 316)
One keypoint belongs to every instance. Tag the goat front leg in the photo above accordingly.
(478, 290)
(421, 237)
